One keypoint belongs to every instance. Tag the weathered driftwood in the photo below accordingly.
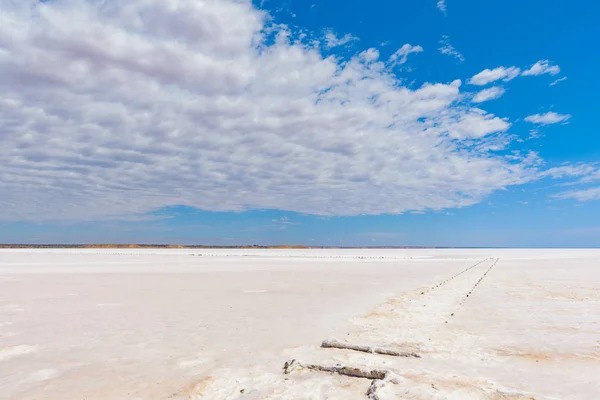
(338, 369)
(380, 377)
(366, 349)
(372, 392)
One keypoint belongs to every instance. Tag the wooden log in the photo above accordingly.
(335, 344)
(379, 377)
(292, 365)
(377, 384)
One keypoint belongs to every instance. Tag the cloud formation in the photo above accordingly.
(509, 73)
(331, 39)
(548, 118)
(449, 50)
(489, 94)
(110, 110)
(401, 55)
(579, 177)
(580, 170)
(564, 78)
(542, 67)
(441, 5)
(582, 195)
(491, 75)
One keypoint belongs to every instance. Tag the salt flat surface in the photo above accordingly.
(219, 324)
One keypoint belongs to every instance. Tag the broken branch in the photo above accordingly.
(366, 349)
(380, 377)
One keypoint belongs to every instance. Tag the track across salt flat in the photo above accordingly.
(443, 323)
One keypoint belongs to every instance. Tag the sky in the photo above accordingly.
(229, 122)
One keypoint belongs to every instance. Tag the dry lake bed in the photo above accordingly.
(220, 324)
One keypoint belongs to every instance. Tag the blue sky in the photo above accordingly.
(434, 123)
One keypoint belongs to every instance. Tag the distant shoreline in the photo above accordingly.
(175, 246)
(290, 247)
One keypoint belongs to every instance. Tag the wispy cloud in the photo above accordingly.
(509, 73)
(331, 39)
(535, 134)
(579, 176)
(449, 50)
(548, 118)
(441, 5)
(489, 94)
(542, 67)
(491, 75)
(584, 173)
(401, 55)
(580, 195)
(564, 78)
(280, 223)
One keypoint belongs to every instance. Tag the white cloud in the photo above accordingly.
(564, 78)
(569, 171)
(542, 67)
(441, 5)
(591, 177)
(581, 174)
(489, 94)
(585, 173)
(535, 134)
(509, 73)
(548, 118)
(580, 195)
(401, 55)
(331, 40)
(369, 56)
(112, 110)
(475, 124)
(449, 50)
(491, 75)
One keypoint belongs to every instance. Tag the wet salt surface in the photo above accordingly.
(157, 323)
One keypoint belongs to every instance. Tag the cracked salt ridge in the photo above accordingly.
(184, 310)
